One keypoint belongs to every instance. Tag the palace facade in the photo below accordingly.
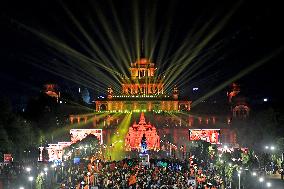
(172, 116)
(143, 91)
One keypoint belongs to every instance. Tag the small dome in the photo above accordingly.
(143, 61)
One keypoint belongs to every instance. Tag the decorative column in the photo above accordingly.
(188, 106)
(71, 119)
(213, 120)
(199, 120)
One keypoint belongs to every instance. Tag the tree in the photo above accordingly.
(5, 143)
(16, 134)
(22, 134)
(45, 155)
(39, 182)
(280, 146)
(259, 129)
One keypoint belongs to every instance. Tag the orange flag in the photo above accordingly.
(132, 179)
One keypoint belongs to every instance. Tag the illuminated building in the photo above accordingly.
(136, 132)
(52, 91)
(143, 91)
(233, 91)
(238, 102)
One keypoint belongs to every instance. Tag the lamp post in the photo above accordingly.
(239, 175)
(62, 170)
(54, 173)
(31, 180)
(98, 164)
(46, 182)
(270, 149)
(42, 176)
(85, 148)
(261, 180)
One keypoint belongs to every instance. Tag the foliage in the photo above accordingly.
(245, 159)
(249, 160)
(5, 143)
(227, 157)
(202, 151)
(276, 159)
(280, 146)
(259, 129)
(263, 158)
(45, 156)
(229, 170)
(39, 182)
(237, 153)
(13, 129)
(225, 169)
(212, 151)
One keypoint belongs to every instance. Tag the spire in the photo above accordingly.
(142, 49)
(142, 119)
(175, 93)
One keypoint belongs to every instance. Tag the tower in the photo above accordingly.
(175, 93)
(142, 80)
(52, 91)
(142, 91)
(233, 91)
(109, 93)
(238, 102)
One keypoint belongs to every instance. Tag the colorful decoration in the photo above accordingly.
(134, 138)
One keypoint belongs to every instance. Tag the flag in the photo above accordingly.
(132, 180)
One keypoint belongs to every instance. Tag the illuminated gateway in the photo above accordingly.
(136, 132)
(143, 91)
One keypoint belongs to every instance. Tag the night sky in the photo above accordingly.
(252, 33)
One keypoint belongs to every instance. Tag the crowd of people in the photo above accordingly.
(134, 174)
(129, 173)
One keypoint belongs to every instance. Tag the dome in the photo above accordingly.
(143, 61)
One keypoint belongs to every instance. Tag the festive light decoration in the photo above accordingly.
(136, 133)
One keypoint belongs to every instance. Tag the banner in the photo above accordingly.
(79, 134)
(8, 158)
(208, 135)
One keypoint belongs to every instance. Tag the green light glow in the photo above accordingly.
(117, 151)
